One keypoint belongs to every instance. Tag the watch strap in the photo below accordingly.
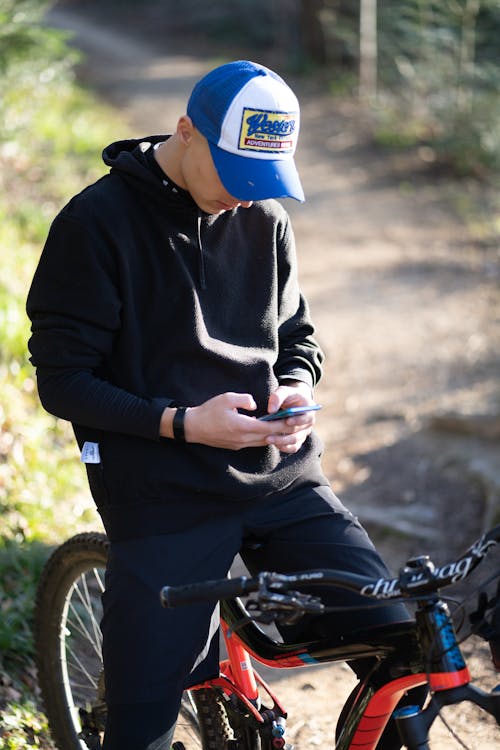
(178, 424)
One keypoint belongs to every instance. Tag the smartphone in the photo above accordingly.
(292, 411)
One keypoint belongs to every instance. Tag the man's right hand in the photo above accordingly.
(218, 423)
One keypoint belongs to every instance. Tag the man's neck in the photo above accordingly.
(168, 156)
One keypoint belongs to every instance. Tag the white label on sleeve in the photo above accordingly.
(90, 453)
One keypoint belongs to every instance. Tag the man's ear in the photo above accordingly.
(185, 129)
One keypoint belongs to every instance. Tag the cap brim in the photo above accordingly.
(250, 179)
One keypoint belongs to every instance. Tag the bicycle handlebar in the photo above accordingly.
(418, 577)
(208, 591)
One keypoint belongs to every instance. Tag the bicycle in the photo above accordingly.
(237, 710)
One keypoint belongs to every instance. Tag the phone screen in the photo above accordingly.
(292, 411)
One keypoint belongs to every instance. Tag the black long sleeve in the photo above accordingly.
(82, 398)
(75, 308)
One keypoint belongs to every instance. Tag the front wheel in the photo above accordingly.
(68, 648)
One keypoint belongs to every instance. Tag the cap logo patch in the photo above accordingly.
(262, 130)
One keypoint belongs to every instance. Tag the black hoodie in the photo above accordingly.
(141, 301)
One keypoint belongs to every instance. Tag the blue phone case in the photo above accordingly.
(292, 411)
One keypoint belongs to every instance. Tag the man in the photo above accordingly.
(167, 316)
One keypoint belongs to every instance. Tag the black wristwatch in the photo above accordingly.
(178, 424)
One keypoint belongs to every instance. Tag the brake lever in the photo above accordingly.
(285, 609)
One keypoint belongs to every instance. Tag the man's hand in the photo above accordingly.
(218, 423)
(289, 434)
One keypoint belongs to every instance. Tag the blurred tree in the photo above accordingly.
(312, 30)
(368, 52)
(436, 64)
(22, 35)
(329, 32)
(440, 59)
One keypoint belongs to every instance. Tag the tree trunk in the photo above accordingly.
(311, 29)
(368, 49)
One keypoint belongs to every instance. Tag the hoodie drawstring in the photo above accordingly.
(201, 257)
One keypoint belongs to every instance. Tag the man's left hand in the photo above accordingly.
(292, 431)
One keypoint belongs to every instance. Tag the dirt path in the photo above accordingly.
(407, 310)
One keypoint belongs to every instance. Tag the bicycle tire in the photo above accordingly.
(69, 660)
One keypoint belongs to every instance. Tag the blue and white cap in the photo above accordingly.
(251, 119)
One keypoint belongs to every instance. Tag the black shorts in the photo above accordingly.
(152, 654)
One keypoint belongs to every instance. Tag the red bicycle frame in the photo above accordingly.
(372, 708)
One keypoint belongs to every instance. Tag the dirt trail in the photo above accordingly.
(406, 308)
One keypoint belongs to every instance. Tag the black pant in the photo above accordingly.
(152, 654)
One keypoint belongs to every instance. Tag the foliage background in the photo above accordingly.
(51, 135)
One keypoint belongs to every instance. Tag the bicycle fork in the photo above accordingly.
(448, 677)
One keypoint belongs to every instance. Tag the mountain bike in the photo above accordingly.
(237, 710)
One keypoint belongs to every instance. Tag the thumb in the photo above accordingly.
(276, 399)
(241, 401)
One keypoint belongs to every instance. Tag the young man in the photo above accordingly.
(166, 318)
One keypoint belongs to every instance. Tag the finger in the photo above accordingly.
(288, 446)
(302, 421)
(281, 428)
(289, 442)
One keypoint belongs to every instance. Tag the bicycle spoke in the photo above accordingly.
(95, 637)
(79, 626)
(76, 664)
(95, 624)
(82, 639)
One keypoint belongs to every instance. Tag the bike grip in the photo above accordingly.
(206, 591)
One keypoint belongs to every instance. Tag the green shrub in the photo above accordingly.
(439, 73)
(23, 726)
(19, 563)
